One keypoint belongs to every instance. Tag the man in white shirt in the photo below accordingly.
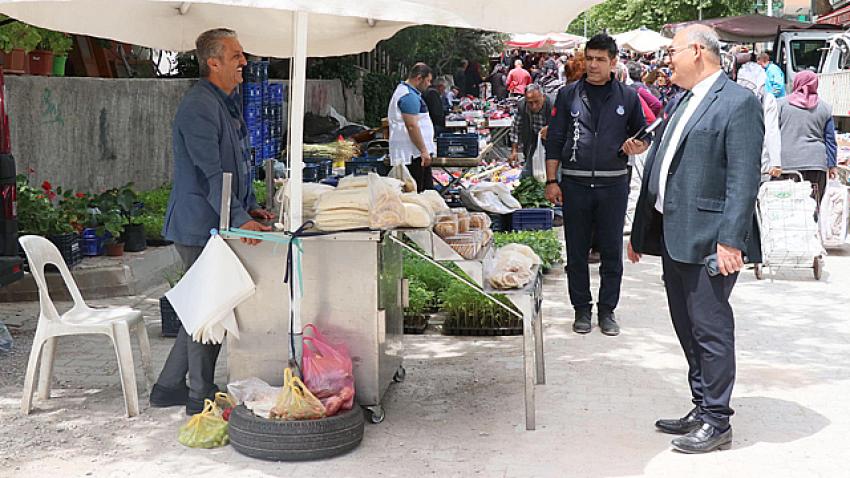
(696, 211)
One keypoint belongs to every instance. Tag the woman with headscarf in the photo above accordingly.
(752, 77)
(808, 133)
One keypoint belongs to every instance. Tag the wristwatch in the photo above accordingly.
(551, 181)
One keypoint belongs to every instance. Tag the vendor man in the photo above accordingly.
(590, 139)
(209, 138)
(411, 130)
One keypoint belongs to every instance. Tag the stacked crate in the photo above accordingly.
(263, 112)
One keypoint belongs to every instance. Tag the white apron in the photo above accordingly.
(402, 149)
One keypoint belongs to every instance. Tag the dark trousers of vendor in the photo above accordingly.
(188, 356)
(423, 177)
(594, 216)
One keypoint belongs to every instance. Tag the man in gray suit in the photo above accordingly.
(696, 210)
(209, 138)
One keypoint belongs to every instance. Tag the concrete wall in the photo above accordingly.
(91, 134)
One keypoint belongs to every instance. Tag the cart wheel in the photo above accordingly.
(759, 270)
(818, 266)
(400, 374)
(376, 414)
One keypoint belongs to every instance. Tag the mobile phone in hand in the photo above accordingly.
(711, 265)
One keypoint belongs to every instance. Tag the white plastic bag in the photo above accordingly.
(205, 297)
(511, 267)
(834, 214)
(386, 211)
(400, 172)
(538, 161)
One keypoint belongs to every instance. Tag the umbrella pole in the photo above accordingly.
(297, 91)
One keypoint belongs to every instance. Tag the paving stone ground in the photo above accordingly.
(460, 411)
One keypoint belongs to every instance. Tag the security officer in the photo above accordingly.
(590, 138)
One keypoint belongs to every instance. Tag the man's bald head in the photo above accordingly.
(702, 35)
(694, 55)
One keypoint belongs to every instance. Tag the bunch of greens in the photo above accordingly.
(531, 193)
(544, 243)
(469, 307)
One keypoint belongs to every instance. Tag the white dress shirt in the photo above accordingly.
(698, 93)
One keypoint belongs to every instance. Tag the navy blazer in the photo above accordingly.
(206, 143)
(712, 183)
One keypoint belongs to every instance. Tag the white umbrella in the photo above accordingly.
(287, 28)
(642, 40)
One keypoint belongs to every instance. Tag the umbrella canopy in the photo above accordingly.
(642, 40)
(747, 28)
(335, 27)
(546, 42)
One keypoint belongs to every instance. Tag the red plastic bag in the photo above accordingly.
(327, 371)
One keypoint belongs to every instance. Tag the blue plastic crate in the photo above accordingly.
(532, 219)
(363, 165)
(251, 92)
(451, 145)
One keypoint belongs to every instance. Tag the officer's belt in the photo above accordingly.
(589, 174)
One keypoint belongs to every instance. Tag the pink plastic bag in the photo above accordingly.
(327, 371)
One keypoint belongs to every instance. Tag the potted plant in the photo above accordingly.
(41, 58)
(110, 230)
(418, 302)
(22, 39)
(170, 320)
(59, 44)
(38, 215)
(125, 202)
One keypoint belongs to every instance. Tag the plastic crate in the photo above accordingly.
(500, 222)
(69, 246)
(324, 167)
(451, 145)
(363, 165)
(532, 219)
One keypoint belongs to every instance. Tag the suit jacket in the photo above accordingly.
(206, 143)
(712, 183)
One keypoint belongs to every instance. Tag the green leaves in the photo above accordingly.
(419, 298)
(531, 193)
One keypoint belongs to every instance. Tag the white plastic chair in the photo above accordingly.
(115, 322)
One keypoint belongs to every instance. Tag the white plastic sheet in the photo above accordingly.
(205, 297)
(834, 214)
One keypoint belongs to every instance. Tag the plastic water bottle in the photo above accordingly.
(6, 341)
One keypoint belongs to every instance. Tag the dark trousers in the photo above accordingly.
(705, 326)
(188, 356)
(423, 177)
(594, 216)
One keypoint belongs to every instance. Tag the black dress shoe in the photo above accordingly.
(196, 405)
(703, 440)
(582, 325)
(608, 324)
(162, 397)
(681, 426)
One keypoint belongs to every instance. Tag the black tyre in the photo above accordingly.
(278, 440)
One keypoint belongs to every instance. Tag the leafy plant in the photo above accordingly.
(112, 223)
(124, 200)
(20, 35)
(419, 298)
(260, 191)
(156, 200)
(544, 243)
(531, 193)
(377, 90)
(153, 224)
(469, 307)
(36, 212)
(343, 68)
(59, 43)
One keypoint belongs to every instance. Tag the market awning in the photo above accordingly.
(642, 40)
(547, 42)
(336, 27)
(840, 17)
(747, 28)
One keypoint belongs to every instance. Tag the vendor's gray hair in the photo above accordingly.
(441, 82)
(208, 45)
(532, 88)
(706, 37)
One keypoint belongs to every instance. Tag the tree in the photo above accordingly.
(617, 16)
(441, 48)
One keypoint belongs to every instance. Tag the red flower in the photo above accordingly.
(80, 195)
(46, 186)
(40, 196)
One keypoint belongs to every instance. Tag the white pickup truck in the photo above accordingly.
(834, 75)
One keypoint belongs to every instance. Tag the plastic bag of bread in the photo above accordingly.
(438, 204)
(418, 199)
(511, 267)
(401, 173)
(445, 224)
(479, 220)
(386, 211)
(416, 216)
(362, 182)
